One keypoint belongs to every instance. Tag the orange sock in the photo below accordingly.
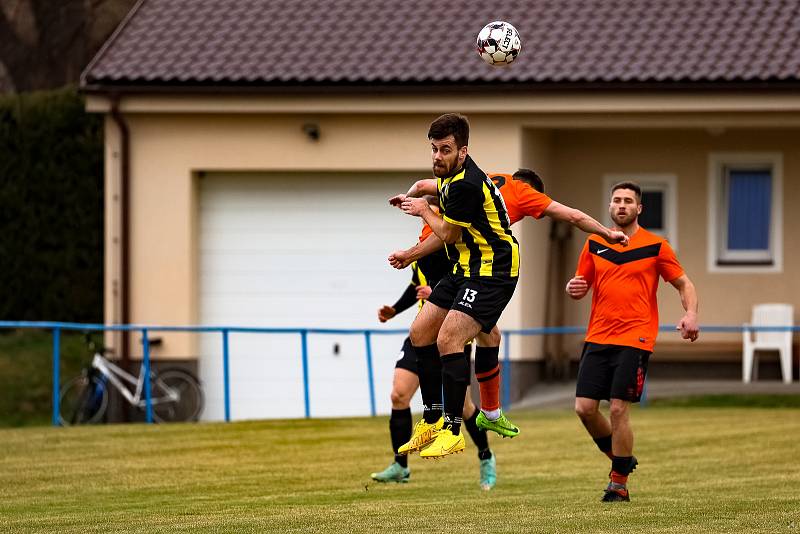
(489, 384)
(619, 479)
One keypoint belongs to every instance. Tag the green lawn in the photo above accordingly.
(701, 470)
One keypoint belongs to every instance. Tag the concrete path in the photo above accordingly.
(562, 395)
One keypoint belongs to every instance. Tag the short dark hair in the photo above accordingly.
(633, 186)
(531, 178)
(450, 124)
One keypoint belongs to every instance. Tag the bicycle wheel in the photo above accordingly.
(176, 396)
(83, 400)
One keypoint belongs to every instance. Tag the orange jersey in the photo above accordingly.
(624, 281)
(521, 199)
(426, 233)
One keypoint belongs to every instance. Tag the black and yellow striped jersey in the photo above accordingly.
(486, 246)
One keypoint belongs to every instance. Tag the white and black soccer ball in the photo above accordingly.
(498, 43)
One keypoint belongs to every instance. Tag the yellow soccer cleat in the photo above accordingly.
(445, 443)
(424, 434)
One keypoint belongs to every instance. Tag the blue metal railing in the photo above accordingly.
(225, 331)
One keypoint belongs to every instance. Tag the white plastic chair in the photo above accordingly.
(768, 315)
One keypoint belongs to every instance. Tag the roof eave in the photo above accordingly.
(406, 87)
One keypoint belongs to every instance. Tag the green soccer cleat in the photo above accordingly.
(393, 473)
(501, 425)
(488, 473)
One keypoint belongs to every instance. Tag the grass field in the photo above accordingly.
(701, 470)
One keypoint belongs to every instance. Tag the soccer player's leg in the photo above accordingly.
(488, 470)
(626, 388)
(456, 330)
(487, 372)
(593, 384)
(404, 385)
(423, 339)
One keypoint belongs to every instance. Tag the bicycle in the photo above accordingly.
(175, 394)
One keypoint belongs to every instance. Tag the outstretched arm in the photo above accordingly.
(420, 188)
(586, 223)
(400, 259)
(688, 324)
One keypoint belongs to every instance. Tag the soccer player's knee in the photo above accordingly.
(418, 336)
(585, 410)
(400, 399)
(618, 410)
(492, 339)
(447, 344)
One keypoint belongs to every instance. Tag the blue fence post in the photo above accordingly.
(506, 370)
(304, 345)
(148, 402)
(226, 384)
(367, 339)
(56, 375)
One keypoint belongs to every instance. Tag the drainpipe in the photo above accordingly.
(125, 165)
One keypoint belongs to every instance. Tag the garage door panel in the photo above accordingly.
(299, 252)
(265, 371)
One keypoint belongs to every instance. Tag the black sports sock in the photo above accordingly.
(430, 381)
(400, 424)
(621, 465)
(455, 381)
(486, 358)
(478, 436)
(604, 444)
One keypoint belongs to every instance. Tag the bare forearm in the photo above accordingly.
(425, 248)
(445, 231)
(689, 297)
(576, 218)
(422, 188)
(590, 225)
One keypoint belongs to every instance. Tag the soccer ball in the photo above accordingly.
(498, 43)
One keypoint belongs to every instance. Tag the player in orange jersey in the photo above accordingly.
(623, 327)
(523, 194)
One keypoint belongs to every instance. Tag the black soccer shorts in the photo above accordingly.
(408, 357)
(483, 298)
(612, 372)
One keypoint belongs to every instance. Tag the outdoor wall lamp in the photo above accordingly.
(311, 129)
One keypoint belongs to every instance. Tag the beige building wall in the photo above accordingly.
(168, 150)
(582, 158)
(573, 141)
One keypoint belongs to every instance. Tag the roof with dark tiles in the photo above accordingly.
(268, 43)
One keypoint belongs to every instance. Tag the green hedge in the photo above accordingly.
(51, 208)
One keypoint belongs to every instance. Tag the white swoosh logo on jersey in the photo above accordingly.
(600, 251)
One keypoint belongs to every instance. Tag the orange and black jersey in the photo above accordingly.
(520, 198)
(426, 271)
(486, 247)
(624, 281)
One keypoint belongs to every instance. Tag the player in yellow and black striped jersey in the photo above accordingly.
(477, 232)
(486, 247)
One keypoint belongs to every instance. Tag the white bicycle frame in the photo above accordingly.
(114, 373)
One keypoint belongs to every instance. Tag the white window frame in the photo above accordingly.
(666, 183)
(718, 163)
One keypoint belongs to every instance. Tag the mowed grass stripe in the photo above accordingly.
(702, 469)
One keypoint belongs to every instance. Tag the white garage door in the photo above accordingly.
(299, 251)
